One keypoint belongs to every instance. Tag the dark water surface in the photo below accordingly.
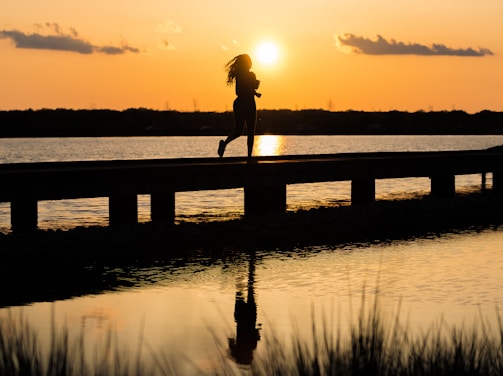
(187, 305)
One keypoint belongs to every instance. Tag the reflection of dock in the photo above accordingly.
(264, 181)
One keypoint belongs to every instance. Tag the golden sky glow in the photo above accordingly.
(336, 55)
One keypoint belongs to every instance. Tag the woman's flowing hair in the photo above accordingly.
(236, 65)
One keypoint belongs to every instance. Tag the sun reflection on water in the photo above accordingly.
(268, 145)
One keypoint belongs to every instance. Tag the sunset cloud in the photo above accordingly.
(168, 27)
(58, 40)
(166, 45)
(234, 44)
(381, 46)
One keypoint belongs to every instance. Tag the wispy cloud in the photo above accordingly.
(234, 44)
(167, 27)
(58, 40)
(164, 44)
(381, 46)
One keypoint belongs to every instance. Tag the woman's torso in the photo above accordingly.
(246, 84)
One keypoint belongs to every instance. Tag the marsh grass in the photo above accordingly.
(21, 353)
(375, 345)
(378, 346)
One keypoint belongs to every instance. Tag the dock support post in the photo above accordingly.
(498, 181)
(443, 186)
(123, 209)
(24, 215)
(162, 207)
(265, 199)
(363, 191)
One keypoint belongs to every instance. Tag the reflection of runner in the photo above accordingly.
(247, 335)
(245, 314)
(244, 107)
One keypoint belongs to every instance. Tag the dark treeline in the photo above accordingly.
(145, 122)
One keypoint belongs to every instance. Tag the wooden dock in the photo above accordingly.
(264, 180)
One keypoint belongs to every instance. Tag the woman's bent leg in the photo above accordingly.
(239, 121)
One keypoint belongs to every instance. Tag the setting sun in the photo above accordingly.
(267, 53)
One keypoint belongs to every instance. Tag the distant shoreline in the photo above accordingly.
(146, 122)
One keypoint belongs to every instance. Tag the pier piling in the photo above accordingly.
(363, 191)
(24, 215)
(123, 209)
(443, 186)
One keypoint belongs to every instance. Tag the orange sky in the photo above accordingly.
(336, 55)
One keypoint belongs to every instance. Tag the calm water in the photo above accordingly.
(186, 308)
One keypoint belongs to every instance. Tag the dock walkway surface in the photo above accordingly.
(264, 179)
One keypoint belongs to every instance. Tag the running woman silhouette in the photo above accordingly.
(244, 107)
